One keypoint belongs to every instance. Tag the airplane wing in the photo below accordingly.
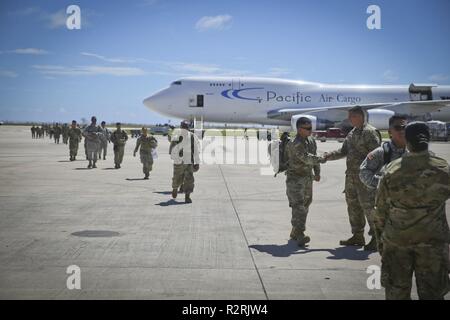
(414, 108)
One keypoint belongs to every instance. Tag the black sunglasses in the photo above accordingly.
(399, 127)
(307, 128)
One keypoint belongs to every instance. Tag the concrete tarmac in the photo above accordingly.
(131, 241)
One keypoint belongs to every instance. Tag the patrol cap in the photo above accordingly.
(118, 124)
(74, 121)
(103, 122)
(417, 134)
(184, 124)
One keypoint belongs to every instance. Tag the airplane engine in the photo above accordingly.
(296, 117)
(317, 123)
(379, 118)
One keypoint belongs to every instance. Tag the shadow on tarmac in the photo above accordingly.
(339, 253)
(171, 202)
(163, 192)
(134, 179)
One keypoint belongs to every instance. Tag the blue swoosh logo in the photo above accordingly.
(235, 93)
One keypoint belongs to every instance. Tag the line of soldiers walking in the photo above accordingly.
(398, 187)
(184, 151)
(53, 131)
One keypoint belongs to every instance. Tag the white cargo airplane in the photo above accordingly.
(281, 102)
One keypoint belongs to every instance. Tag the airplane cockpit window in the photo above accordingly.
(178, 83)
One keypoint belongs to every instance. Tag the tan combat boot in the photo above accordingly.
(174, 193)
(187, 198)
(302, 239)
(356, 240)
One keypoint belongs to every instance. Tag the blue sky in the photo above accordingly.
(127, 50)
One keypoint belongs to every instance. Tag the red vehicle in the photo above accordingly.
(331, 133)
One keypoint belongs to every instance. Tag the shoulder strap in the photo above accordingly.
(387, 152)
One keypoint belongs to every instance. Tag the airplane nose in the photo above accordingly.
(158, 102)
(149, 103)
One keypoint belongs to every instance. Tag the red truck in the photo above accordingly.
(331, 133)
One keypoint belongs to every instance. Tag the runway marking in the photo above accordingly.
(243, 233)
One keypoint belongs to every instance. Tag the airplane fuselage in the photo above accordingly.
(250, 100)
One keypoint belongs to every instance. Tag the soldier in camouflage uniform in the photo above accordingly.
(92, 140)
(57, 133)
(104, 140)
(302, 160)
(65, 132)
(410, 220)
(371, 168)
(74, 136)
(119, 138)
(51, 131)
(146, 144)
(362, 139)
(184, 151)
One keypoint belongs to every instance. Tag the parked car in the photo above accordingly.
(330, 133)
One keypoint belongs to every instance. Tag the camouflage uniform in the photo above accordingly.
(65, 133)
(360, 201)
(411, 226)
(146, 144)
(119, 138)
(74, 136)
(302, 159)
(184, 154)
(370, 171)
(103, 146)
(91, 136)
(57, 133)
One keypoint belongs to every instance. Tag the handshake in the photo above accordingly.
(324, 157)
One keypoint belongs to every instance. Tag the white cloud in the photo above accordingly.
(219, 22)
(194, 67)
(56, 20)
(438, 77)
(114, 60)
(34, 51)
(8, 74)
(390, 76)
(55, 70)
(88, 54)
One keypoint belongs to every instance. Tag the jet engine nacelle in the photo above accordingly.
(379, 118)
(296, 117)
